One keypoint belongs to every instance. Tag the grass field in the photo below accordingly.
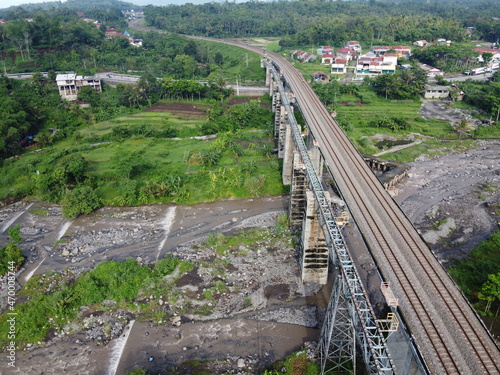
(144, 166)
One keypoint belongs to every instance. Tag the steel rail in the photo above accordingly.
(446, 311)
(481, 354)
(372, 338)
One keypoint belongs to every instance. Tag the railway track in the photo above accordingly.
(450, 336)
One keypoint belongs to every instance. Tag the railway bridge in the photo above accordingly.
(449, 335)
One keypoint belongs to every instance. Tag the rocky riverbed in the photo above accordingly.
(262, 314)
(265, 313)
(454, 200)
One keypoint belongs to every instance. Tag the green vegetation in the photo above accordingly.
(55, 299)
(454, 58)
(475, 274)
(80, 200)
(11, 256)
(362, 114)
(225, 245)
(332, 23)
(296, 363)
(430, 148)
(131, 160)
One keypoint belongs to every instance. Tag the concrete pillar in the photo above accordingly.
(288, 155)
(272, 87)
(316, 158)
(314, 261)
(298, 188)
(278, 113)
(268, 77)
(280, 130)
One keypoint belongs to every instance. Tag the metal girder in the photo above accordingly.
(351, 293)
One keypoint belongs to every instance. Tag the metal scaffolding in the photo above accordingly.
(350, 319)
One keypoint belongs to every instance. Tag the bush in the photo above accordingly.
(11, 256)
(166, 266)
(80, 200)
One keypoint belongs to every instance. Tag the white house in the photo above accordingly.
(354, 45)
(346, 53)
(327, 59)
(433, 92)
(431, 71)
(420, 43)
(339, 66)
(70, 84)
(371, 65)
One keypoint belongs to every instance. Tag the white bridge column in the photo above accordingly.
(314, 260)
(316, 158)
(288, 155)
(298, 188)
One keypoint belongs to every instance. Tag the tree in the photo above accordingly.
(11, 255)
(487, 56)
(90, 95)
(80, 200)
(490, 291)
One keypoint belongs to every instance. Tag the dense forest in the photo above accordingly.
(29, 10)
(29, 108)
(321, 22)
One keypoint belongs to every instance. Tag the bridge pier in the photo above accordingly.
(314, 261)
(316, 157)
(337, 345)
(288, 151)
(298, 189)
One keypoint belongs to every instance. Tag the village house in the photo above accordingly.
(443, 42)
(436, 92)
(431, 71)
(421, 43)
(370, 65)
(324, 50)
(339, 66)
(112, 33)
(401, 51)
(70, 84)
(346, 53)
(302, 56)
(327, 59)
(354, 45)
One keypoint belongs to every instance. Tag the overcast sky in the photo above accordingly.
(9, 3)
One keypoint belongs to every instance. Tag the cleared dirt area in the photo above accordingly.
(182, 110)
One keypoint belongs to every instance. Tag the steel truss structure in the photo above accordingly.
(350, 319)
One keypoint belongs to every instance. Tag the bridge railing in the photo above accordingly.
(375, 352)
